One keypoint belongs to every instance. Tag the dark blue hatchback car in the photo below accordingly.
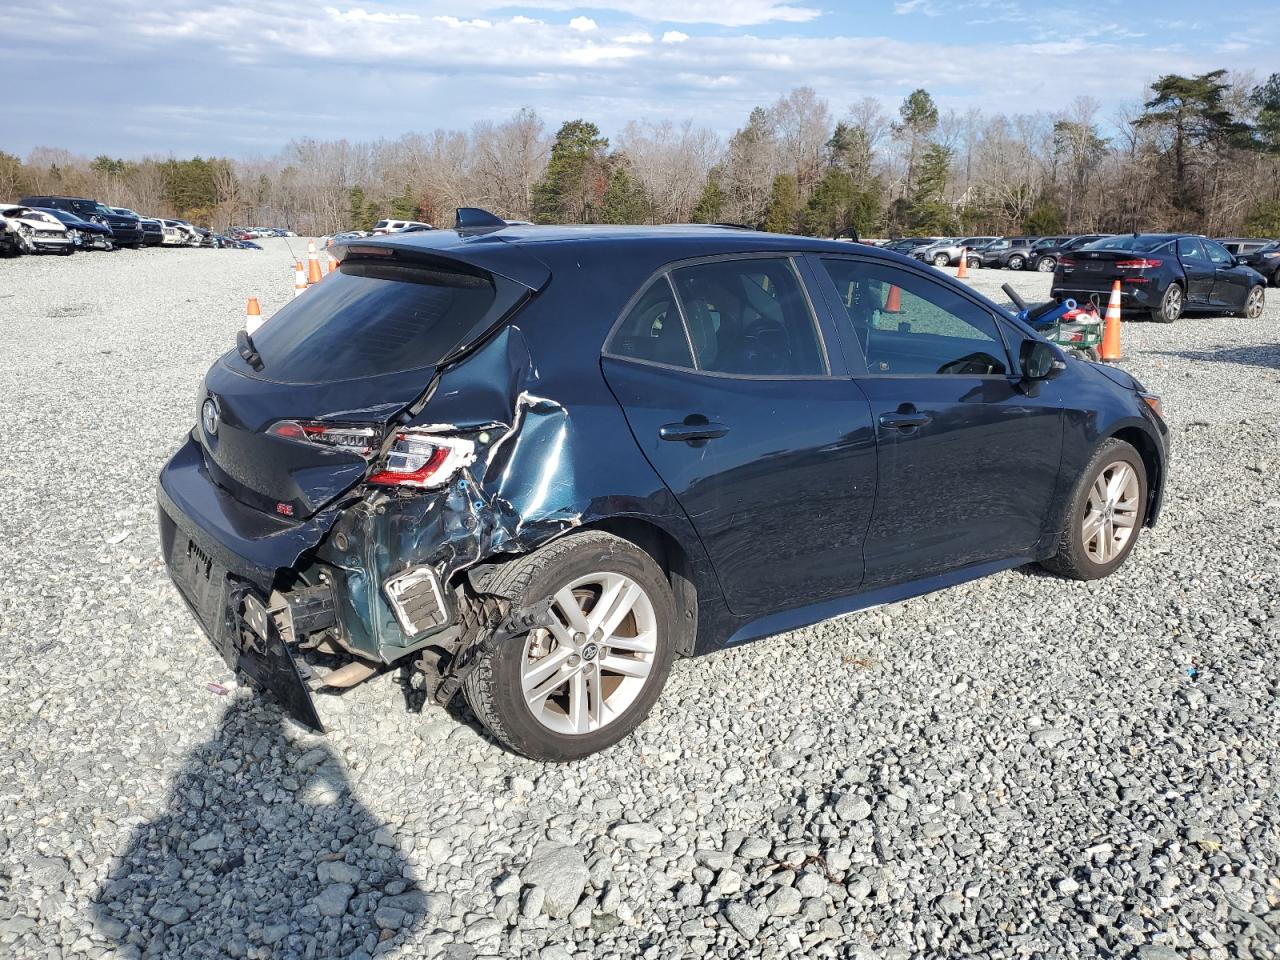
(538, 463)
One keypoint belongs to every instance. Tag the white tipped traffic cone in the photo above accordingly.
(252, 315)
(313, 264)
(299, 279)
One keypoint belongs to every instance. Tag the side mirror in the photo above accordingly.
(1041, 361)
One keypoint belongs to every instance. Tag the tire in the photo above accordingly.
(1046, 264)
(495, 690)
(1083, 557)
(941, 260)
(974, 263)
(1254, 304)
(1171, 305)
(1016, 263)
(1275, 280)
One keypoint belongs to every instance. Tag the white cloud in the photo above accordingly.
(454, 22)
(634, 38)
(523, 21)
(582, 24)
(674, 36)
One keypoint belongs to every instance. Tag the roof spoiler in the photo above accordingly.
(473, 220)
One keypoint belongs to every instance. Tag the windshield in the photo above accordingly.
(369, 319)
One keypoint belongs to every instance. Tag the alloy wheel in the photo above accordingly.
(587, 669)
(1046, 264)
(1173, 302)
(1111, 512)
(1015, 263)
(1254, 306)
(941, 260)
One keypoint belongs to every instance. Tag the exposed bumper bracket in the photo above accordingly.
(516, 624)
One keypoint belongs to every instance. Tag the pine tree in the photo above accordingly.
(573, 183)
(710, 206)
(625, 200)
(783, 212)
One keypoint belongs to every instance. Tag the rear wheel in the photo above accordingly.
(1108, 507)
(1016, 262)
(570, 690)
(1171, 305)
(1046, 264)
(1255, 303)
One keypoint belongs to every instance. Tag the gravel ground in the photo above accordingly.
(1020, 767)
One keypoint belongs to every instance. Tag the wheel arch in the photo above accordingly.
(1142, 441)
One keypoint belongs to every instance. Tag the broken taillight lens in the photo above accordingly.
(349, 438)
(423, 460)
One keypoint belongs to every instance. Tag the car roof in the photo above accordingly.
(526, 253)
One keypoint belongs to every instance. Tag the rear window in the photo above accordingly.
(1141, 244)
(369, 319)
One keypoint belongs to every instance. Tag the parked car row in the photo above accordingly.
(258, 233)
(55, 224)
(1043, 254)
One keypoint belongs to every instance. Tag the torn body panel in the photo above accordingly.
(529, 480)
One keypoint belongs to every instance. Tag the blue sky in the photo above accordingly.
(138, 77)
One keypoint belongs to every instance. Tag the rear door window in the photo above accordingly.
(652, 330)
(910, 326)
(1189, 249)
(750, 317)
(369, 319)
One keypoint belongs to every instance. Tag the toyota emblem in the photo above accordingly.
(209, 417)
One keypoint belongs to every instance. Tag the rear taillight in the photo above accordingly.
(423, 460)
(1066, 262)
(349, 438)
(1139, 264)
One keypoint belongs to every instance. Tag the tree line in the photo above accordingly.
(1200, 154)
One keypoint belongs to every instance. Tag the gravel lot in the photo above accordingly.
(1020, 767)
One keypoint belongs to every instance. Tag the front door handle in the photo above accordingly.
(904, 421)
(694, 427)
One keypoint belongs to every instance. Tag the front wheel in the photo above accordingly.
(941, 260)
(1171, 305)
(1108, 507)
(572, 689)
(1255, 303)
(1046, 264)
(1016, 263)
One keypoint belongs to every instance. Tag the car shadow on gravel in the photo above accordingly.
(262, 849)
(1266, 355)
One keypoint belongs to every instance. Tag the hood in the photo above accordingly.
(1116, 375)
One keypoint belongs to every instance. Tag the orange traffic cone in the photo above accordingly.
(299, 279)
(893, 301)
(963, 272)
(252, 315)
(313, 264)
(1111, 328)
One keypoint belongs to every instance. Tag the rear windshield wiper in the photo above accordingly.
(246, 349)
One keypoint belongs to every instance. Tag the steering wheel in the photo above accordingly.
(976, 364)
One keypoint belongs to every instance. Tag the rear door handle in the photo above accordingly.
(700, 429)
(904, 421)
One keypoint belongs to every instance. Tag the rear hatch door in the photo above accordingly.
(337, 365)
